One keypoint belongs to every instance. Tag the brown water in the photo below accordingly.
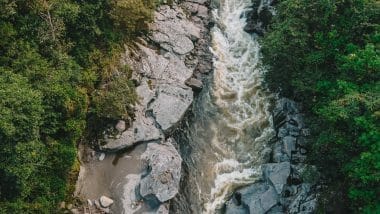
(110, 177)
(230, 127)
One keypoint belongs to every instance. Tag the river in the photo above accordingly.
(230, 124)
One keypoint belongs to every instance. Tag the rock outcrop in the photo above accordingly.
(164, 172)
(288, 185)
(170, 105)
(167, 74)
(167, 67)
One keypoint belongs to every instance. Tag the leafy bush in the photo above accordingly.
(116, 99)
(132, 15)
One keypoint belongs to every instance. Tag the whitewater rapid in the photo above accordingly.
(231, 125)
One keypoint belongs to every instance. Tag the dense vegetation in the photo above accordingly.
(58, 63)
(325, 54)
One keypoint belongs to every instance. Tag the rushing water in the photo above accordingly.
(231, 123)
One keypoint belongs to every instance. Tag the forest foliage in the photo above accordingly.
(57, 69)
(325, 54)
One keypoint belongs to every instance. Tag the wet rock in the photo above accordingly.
(164, 172)
(195, 84)
(289, 144)
(277, 174)
(105, 201)
(170, 105)
(295, 206)
(256, 198)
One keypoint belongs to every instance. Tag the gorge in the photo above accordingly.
(189, 106)
(225, 138)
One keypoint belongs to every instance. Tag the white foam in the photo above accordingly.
(238, 94)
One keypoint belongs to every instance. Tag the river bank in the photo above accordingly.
(138, 167)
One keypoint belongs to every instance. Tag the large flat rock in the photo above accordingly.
(164, 172)
(257, 198)
(143, 130)
(170, 105)
(277, 174)
(173, 32)
(168, 68)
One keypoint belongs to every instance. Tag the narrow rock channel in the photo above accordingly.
(231, 127)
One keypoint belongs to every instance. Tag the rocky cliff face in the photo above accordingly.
(167, 67)
(288, 185)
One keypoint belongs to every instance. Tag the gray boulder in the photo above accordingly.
(256, 198)
(277, 174)
(167, 68)
(164, 172)
(170, 105)
(302, 198)
(278, 155)
(233, 208)
(172, 33)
